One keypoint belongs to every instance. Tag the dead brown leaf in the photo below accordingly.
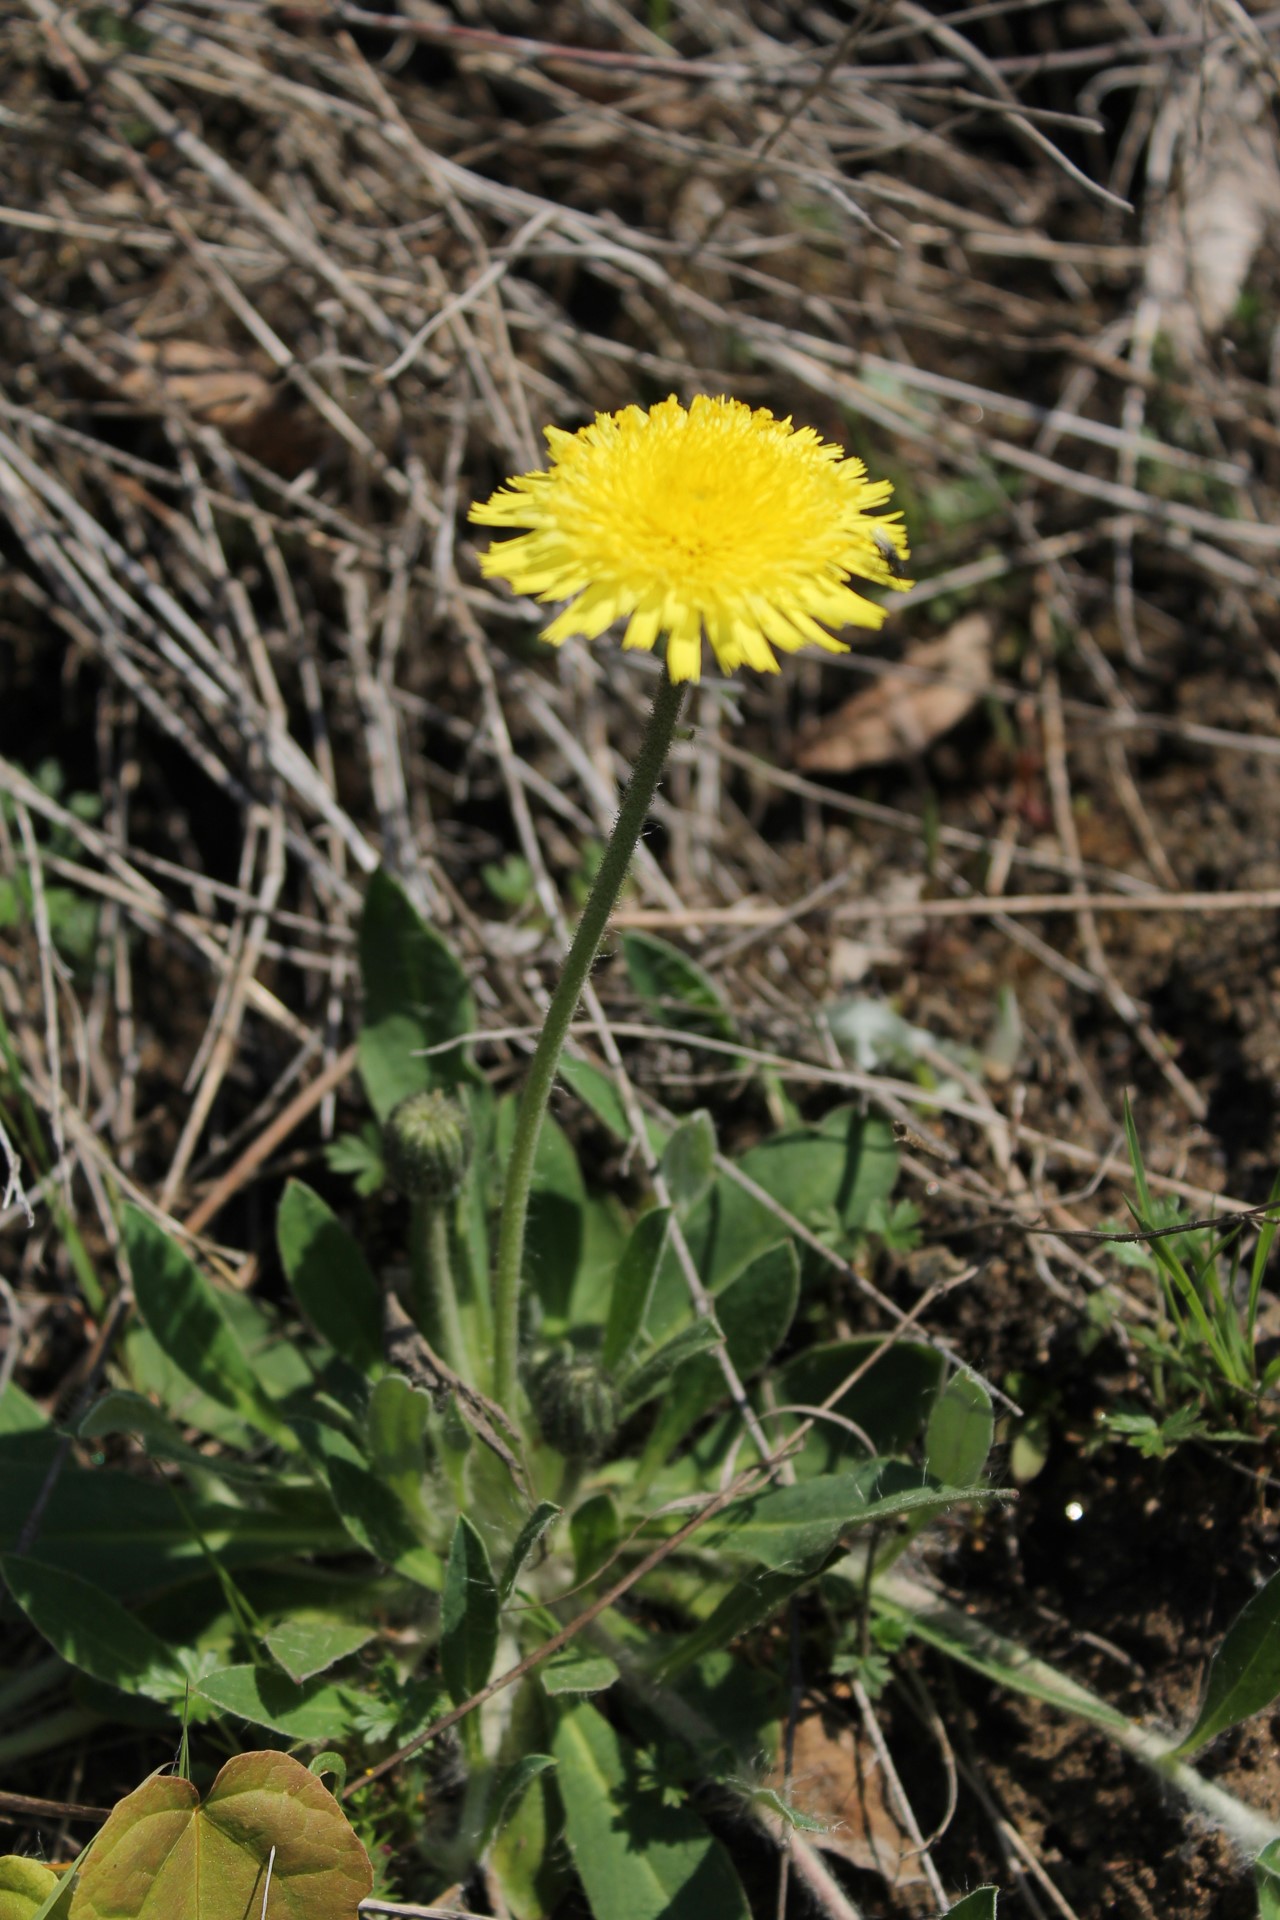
(904, 712)
(836, 1778)
(214, 384)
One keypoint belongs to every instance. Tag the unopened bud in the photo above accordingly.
(426, 1146)
(575, 1404)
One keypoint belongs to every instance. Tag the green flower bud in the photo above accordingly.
(575, 1403)
(426, 1146)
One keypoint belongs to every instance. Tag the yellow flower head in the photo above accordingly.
(715, 519)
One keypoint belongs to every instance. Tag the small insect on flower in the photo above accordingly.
(895, 560)
(715, 520)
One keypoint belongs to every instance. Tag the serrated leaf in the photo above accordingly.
(92, 1631)
(162, 1854)
(468, 1615)
(305, 1647)
(637, 1858)
(190, 1324)
(329, 1277)
(961, 1428)
(415, 996)
(1244, 1674)
(633, 1286)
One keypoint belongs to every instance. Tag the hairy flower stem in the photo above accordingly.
(564, 1004)
(434, 1298)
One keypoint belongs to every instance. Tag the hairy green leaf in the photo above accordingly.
(329, 1277)
(637, 1857)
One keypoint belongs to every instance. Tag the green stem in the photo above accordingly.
(435, 1298)
(564, 1004)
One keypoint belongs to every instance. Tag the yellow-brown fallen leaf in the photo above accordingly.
(836, 1778)
(904, 712)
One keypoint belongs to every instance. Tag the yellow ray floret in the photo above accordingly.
(714, 520)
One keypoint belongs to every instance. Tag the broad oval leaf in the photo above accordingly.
(162, 1854)
(1244, 1674)
(689, 1161)
(961, 1428)
(329, 1276)
(638, 1858)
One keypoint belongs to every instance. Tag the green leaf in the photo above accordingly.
(792, 1528)
(396, 1433)
(828, 1177)
(1244, 1674)
(468, 1615)
(369, 1509)
(316, 1711)
(92, 1631)
(754, 1311)
(689, 1162)
(415, 996)
(652, 1373)
(56, 1904)
(190, 1324)
(960, 1431)
(128, 1536)
(633, 1286)
(637, 1858)
(555, 1231)
(571, 1672)
(306, 1646)
(162, 1854)
(526, 1540)
(978, 1905)
(595, 1531)
(329, 1277)
(508, 1791)
(24, 1886)
(889, 1401)
(675, 990)
(118, 1411)
(1266, 1875)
